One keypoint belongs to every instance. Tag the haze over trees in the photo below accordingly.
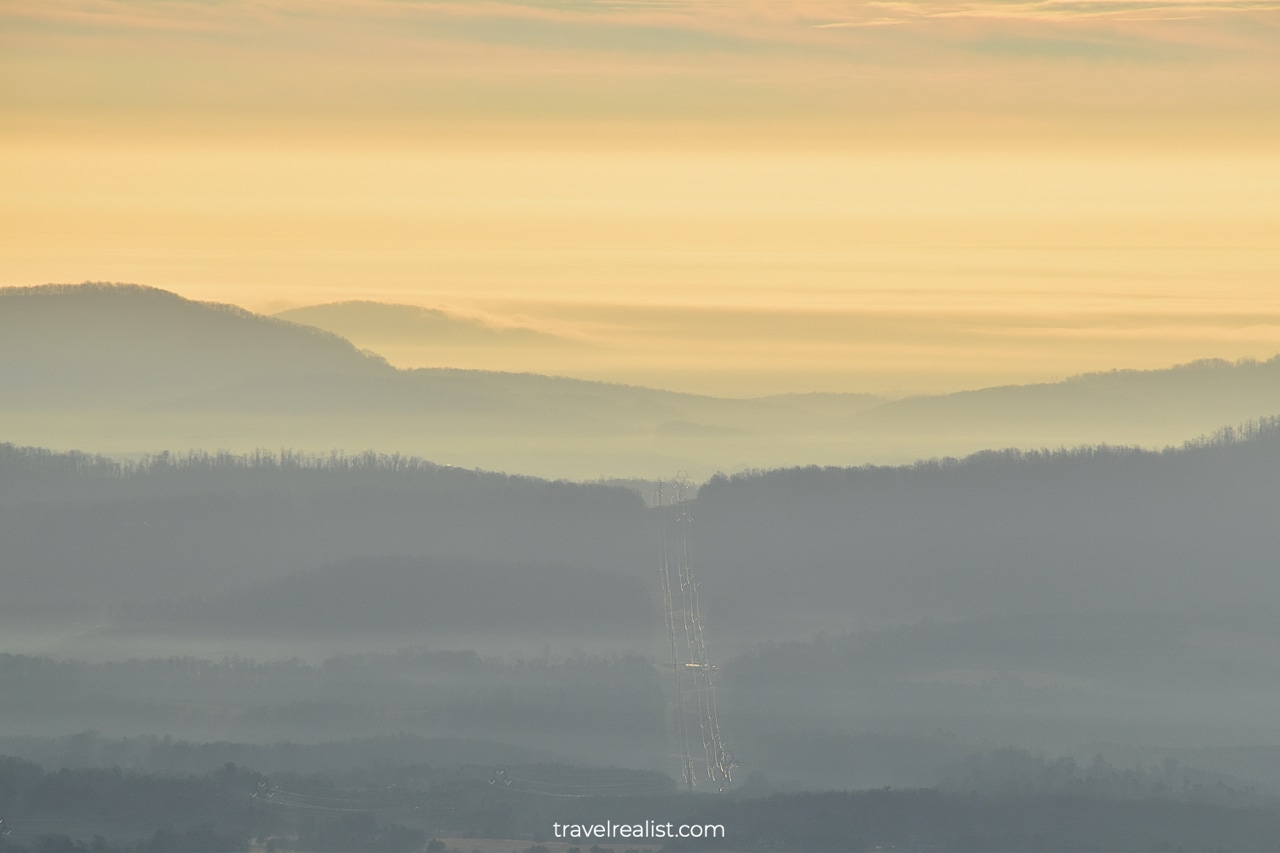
(1111, 528)
(1037, 637)
(984, 596)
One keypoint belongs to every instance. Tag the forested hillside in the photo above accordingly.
(78, 530)
(1052, 599)
(1113, 529)
(1098, 527)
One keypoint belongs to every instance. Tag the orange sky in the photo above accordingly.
(738, 196)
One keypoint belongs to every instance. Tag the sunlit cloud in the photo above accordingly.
(1078, 161)
(756, 23)
(1064, 10)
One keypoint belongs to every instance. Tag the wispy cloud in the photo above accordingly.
(1076, 10)
(764, 21)
(122, 15)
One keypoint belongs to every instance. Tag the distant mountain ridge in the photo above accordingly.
(89, 339)
(125, 345)
(125, 369)
(413, 324)
(1196, 388)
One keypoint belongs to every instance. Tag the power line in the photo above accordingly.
(690, 667)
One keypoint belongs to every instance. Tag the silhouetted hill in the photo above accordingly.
(125, 370)
(115, 345)
(784, 551)
(414, 325)
(79, 531)
(126, 347)
(1118, 400)
(1115, 528)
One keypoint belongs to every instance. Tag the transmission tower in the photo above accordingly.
(693, 704)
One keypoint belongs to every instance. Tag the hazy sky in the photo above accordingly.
(715, 195)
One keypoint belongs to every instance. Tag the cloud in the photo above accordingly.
(87, 16)
(628, 25)
(1075, 48)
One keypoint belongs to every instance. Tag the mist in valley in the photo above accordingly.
(283, 624)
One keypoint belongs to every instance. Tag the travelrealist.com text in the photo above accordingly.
(648, 829)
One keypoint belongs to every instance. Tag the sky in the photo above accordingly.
(719, 196)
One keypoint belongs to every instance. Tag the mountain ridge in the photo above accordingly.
(125, 369)
(413, 324)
